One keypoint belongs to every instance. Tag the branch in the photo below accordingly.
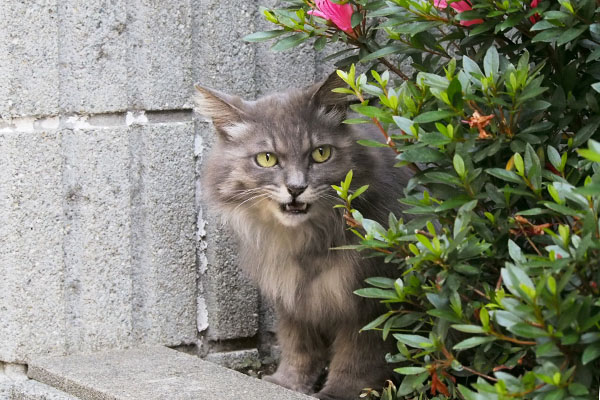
(394, 69)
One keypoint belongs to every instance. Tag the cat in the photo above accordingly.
(269, 175)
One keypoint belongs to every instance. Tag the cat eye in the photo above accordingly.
(321, 153)
(266, 160)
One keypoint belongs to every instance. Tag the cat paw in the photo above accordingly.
(281, 380)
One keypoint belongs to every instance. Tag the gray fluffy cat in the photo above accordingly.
(269, 175)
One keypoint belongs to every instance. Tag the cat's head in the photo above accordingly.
(278, 156)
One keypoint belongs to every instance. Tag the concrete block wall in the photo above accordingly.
(104, 239)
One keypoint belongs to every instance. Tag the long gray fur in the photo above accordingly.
(290, 256)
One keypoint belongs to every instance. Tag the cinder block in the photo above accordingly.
(98, 226)
(231, 300)
(160, 54)
(151, 373)
(29, 62)
(32, 316)
(227, 62)
(93, 55)
(238, 360)
(97, 248)
(277, 71)
(164, 241)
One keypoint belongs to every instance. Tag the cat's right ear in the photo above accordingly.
(225, 111)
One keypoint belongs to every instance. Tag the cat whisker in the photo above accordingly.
(261, 196)
(244, 192)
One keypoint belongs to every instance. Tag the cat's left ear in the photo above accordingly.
(334, 103)
(224, 110)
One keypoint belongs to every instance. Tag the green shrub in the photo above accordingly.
(497, 115)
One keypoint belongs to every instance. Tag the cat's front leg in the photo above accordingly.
(358, 362)
(303, 356)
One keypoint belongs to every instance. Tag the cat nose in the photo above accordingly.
(295, 190)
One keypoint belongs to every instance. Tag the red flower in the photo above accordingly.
(339, 14)
(536, 17)
(459, 6)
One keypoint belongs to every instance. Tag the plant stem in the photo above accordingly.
(394, 69)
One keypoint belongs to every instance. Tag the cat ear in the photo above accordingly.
(225, 111)
(335, 104)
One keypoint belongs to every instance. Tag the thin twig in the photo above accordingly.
(394, 69)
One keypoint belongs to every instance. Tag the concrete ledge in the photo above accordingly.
(150, 373)
(33, 390)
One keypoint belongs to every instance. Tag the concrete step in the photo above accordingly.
(150, 373)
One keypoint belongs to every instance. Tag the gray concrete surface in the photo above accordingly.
(238, 360)
(150, 373)
(32, 390)
(100, 215)
(105, 241)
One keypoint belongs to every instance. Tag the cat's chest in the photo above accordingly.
(312, 290)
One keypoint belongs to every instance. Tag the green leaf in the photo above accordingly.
(586, 132)
(262, 36)
(515, 252)
(370, 111)
(445, 314)
(356, 19)
(290, 41)
(358, 192)
(577, 389)
(455, 93)
(559, 208)
(570, 34)
(554, 157)
(527, 331)
(376, 293)
(541, 25)
(589, 154)
(491, 62)
(596, 86)
(417, 341)
(411, 383)
(354, 121)
(410, 370)
(459, 165)
(320, 43)
(376, 322)
(384, 51)
(473, 342)
(469, 394)
(505, 318)
(503, 174)
(590, 353)
(469, 328)
(422, 154)
(471, 68)
(513, 277)
(381, 282)
(548, 35)
(556, 394)
(431, 116)
(403, 123)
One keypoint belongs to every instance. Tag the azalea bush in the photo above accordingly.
(494, 105)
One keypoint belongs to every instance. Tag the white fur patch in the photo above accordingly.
(236, 131)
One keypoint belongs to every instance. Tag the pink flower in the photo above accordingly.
(460, 6)
(536, 17)
(339, 14)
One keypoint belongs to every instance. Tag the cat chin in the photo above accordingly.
(291, 219)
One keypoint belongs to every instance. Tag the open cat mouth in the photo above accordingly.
(295, 208)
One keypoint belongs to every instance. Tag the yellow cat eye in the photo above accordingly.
(321, 153)
(266, 160)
